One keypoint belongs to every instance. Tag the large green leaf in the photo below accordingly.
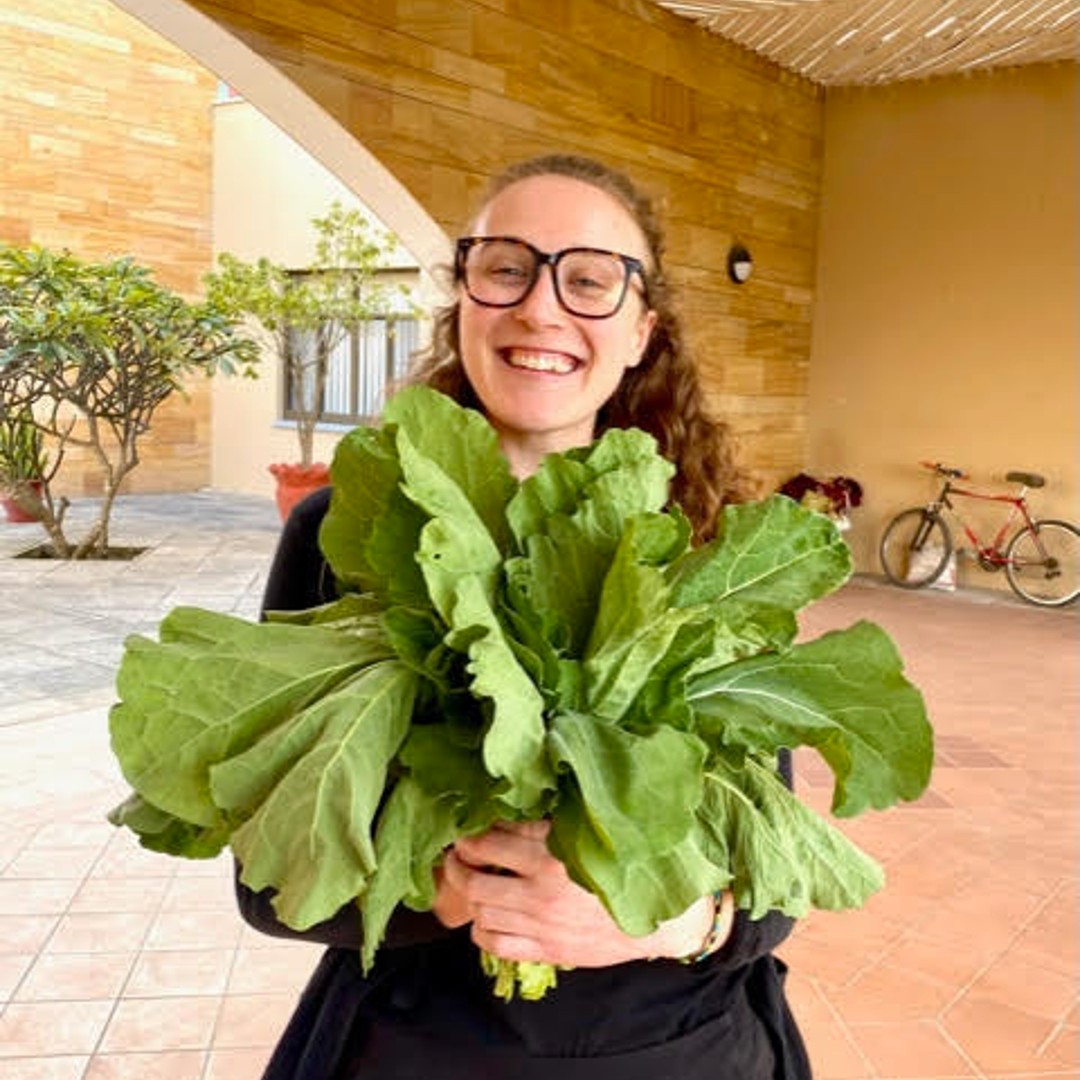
(843, 694)
(635, 624)
(210, 688)
(413, 830)
(465, 447)
(161, 831)
(640, 892)
(310, 836)
(626, 811)
(370, 523)
(773, 553)
(781, 855)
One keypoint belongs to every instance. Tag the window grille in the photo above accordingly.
(362, 366)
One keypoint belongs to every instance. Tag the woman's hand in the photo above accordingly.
(523, 905)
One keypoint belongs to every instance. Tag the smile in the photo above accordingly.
(553, 363)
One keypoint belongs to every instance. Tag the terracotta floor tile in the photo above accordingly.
(124, 858)
(833, 1054)
(70, 834)
(253, 1020)
(918, 1049)
(1063, 1046)
(178, 1023)
(51, 863)
(890, 993)
(194, 930)
(999, 1037)
(190, 892)
(236, 1064)
(88, 932)
(37, 1029)
(277, 969)
(949, 966)
(165, 1065)
(119, 894)
(26, 933)
(76, 976)
(50, 896)
(13, 966)
(43, 1068)
(180, 973)
(1031, 986)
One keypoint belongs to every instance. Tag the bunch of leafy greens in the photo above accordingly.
(552, 648)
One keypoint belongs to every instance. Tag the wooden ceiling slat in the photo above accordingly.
(849, 42)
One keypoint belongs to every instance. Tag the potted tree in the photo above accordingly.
(302, 316)
(88, 352)
(23, 467)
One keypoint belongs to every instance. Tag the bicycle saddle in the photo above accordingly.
(1029, 479)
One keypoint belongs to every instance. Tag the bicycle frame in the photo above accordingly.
(992, 553)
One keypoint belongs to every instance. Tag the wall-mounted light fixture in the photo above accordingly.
(740, 264)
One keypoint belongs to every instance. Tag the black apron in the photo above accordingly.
(428, 1013)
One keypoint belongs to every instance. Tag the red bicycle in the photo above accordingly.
(1041, 559)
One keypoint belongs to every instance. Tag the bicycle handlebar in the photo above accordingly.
(944, 470)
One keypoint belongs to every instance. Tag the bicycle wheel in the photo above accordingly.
(1043, 563)
(915, 548)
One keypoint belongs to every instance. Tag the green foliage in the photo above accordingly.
(305, 316)
(88, 352)
(549, 649)
(22, 452)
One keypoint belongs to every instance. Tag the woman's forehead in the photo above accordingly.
(554, 212)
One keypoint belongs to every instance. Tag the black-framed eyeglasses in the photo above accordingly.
(500, 271)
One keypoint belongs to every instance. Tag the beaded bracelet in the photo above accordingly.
(718, 932)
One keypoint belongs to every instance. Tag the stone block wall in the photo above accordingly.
(105, 145)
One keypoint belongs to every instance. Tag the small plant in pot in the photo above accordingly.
(304, 316)
(24, 468)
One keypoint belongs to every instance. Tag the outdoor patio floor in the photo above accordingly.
(118, 964)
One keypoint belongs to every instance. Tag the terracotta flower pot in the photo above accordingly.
(295, 482)
(14, 512)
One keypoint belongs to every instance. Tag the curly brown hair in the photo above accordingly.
(661, 395)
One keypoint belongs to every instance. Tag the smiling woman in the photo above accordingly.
(562, 330)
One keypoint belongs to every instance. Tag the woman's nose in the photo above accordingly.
(541, 305)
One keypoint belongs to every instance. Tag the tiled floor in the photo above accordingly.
(117, 964)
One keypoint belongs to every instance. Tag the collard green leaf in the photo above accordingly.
(782, 856)
(640, 893)
(772, 553)
(618, 477)
(641, 790)
(625, 818)
(635, 624)
(370, 523)
(843, 694)
(210, 688)
(310, 837)
(466, 449)
(413, 829)
(162, 832)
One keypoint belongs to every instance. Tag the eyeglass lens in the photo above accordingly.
(500, 273)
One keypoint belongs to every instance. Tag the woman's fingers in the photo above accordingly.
(520, 848)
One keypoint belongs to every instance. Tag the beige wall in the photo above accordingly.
(945, 326)
(105, 150)
(266, 192)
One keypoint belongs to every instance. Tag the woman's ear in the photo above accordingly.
(646, 325)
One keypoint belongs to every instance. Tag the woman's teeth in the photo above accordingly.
(558, 365)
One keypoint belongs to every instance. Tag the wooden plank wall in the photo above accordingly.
(446, 92)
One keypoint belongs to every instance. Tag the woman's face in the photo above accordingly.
(540, 372)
